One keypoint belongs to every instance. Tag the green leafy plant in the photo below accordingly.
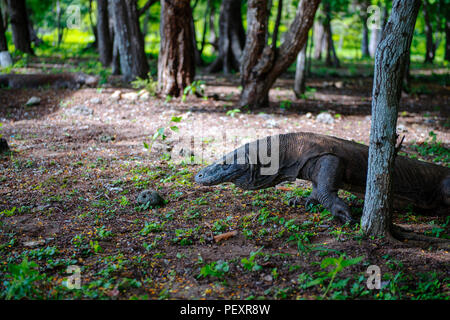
(21, 281)
(434, 148)
(160, 133)
(337, 265)
(149, 85)
(214, 269)
(197, 87)
(233, 112)
(250, 264)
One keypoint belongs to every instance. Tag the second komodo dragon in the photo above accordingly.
(330, 164)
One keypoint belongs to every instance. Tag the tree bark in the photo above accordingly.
(390, 60)
(365, 29)
(105, 43)
(430, 45)
(447, 39)
(318, 40)
(133, 61)
(262, 64)
(300, 73)
(176, 61)
(19, 25)
(331, 59)
(3, 42)
(231, 37)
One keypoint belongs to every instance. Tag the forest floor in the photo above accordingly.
(68, 196)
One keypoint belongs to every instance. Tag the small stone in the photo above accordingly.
(272, 123)
(308, 115)
(268, 278)
(5, 59)
(80, 110)
(339, 84)
(150, 197)
(131, 96)
(325, 117)
(116, 96)
(95, 101)
(145, 96)
(34, 244)
(401, 128)
(33, 101)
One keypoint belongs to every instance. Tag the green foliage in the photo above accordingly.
(432, 147)
(149, 85)
(21, 281)
(160, 133)
(233, 112)
(197, 87)
(250, 264)
(336, 265)
(214, 269)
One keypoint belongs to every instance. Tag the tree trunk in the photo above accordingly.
(300, 73)
(105, 43)
(430, 46)
(447, 39)
(197, 54)
(231, 37)
(5, 57)
(318, 40)
(176, 62)
(390, 60)
(261, 64)
(19, 25)
(365, 29)
(3, 42)
(331, 59)
(133, 61)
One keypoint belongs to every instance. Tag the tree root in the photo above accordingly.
(401, 234)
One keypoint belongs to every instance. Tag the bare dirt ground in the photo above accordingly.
(68, 190)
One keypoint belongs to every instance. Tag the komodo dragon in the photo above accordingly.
(57, 81)
(330, 164)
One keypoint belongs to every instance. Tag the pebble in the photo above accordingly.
(33, 101)
(325, 117)
(150, 197)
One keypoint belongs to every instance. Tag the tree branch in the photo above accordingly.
(146, 6)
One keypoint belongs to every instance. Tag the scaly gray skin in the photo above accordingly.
(331, 164)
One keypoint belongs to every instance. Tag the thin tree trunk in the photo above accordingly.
(176, 62)
(447, 39)
(105, 43)
(231, 37)
(430, 46)
(205, 25)
(331, 59)
(261, 64)
(277, 24)
(3, 42)
(19, 25)
(365, 30)
(391, 56)
(318, 40)
(58, 22)
(133, 61)
(300, 73)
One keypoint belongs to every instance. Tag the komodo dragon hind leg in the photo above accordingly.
(327, 177)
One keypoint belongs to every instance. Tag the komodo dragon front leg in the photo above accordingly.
(326, 174)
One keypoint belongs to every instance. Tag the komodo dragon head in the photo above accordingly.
(255, 165)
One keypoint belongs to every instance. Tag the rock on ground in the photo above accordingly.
(150, 197)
